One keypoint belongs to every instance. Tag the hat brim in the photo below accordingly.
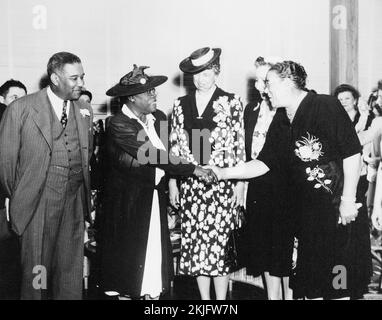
(120, 90)
(187, 67)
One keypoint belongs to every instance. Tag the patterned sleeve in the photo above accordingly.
(178, 136)
(174, 128)
(238, 129)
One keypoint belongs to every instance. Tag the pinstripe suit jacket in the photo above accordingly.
(25, 152)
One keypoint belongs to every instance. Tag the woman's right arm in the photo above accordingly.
(247, 170)
(271, 155)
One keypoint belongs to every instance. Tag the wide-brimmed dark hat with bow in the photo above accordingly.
(200, 60)
(135, 82)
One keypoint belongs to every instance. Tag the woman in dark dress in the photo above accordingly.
(315, 141)
(267, 239)
(361, 117)
(134, 242)
(207, 128)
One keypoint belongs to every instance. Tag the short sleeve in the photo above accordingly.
(335, 122)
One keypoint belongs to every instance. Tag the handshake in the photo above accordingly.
(206, 174)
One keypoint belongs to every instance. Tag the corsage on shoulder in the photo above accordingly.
(85, 112)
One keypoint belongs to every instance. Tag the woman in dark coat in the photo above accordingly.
(315, 141)
(135, 248)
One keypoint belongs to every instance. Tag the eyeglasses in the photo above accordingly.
(266, 83)
(151, 92)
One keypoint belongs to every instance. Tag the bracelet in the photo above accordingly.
(348, 199)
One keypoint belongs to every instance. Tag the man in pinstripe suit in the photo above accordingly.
(45, 146)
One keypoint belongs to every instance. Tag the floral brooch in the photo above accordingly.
(308, 149)
(84, 112)
(317, 174)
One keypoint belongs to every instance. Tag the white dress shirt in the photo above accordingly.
(57, 103)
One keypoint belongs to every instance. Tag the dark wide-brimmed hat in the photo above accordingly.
(135, 82)
(200, 60)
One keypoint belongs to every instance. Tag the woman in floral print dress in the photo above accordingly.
(316, 140)
(207, 128)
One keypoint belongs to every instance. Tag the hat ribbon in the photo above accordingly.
(203, 59)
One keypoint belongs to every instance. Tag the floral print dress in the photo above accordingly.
(207, 211)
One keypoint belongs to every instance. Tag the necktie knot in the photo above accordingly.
(64, 116)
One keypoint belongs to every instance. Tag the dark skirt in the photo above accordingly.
(334, 261)
(268, 235)
(122, 239)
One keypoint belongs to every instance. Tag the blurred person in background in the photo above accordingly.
(11, 90)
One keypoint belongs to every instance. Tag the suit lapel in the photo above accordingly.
(42, 116)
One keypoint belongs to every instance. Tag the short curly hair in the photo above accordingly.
(267, 61)
(291, 70)
(59, 60)
(346, 88)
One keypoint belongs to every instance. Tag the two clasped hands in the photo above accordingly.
(348, 211)
(208, 174)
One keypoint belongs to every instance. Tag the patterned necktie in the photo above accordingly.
(64, 116)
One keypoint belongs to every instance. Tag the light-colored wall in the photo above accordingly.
(370, 45)
(111, 35)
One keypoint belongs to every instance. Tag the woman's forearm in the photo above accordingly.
(378, 188)
(351, 167)
(247, 170)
